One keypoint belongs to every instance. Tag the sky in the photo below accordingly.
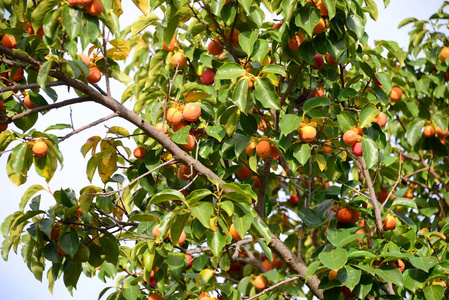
(16, 281)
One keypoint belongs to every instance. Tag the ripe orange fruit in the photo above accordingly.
(389, 222)
(84, 3)
(155, 296)
(349, 137)
(171, 46)
(139, 152)
(332, 274)
(307, 134)
(398, 264)
(207, 77)
(445, 52)
(429, 131)
(85, 59)
(95, 8)
(327, 149)
(244, 173)
(274, 151)
(250, 148)
(355, 216)
(158, 126)
(234, 233)
(382, 195)
(235, 36)
(320, 5)
(320, 27)
(263, 149)
(173, 116)
(260, 282)
(318, 92)
(179, 60)
(441, 133)
(330, 60)
(278, 25)
(357, 149)
(40, 148)
(189, 259)
(215, 47)
(178, 126)
(3, 127)
(295, 41)
(191, 112)
(262, 125)
(9, 41)
(182, 238)
(18, 75)
(190, 143)
(94, 75)
(396, 94)
(345, 215)
(184, 172)
(266, 264)
(155, 231)
(380, 119)
(28, 102)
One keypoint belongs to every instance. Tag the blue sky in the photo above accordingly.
(16, 281)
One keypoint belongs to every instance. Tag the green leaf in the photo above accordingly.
(263, 229)
(407, 21)
(307, 18)
(289, 123)
(266, 94)
(423, 263)
(346, 120)
(216, 240)
(43, 73)
(230, 71)
(404, 202)
(440, 120)
(370, 152)
(228, 207)
(243, 224)
(312, 268)
(197, 195)
(309, 217)
(28, 194)
(38, 14)
(181, 136)
(247, 7)
(276, 69)
(390, 274)
(367, 115)
(131, 292)
(394, 49)
(372, 6)
(349, 276)
(240, 94)
(315, 102)
(176, 264)
(434, 292)
(216, 131)
(356, 25)
(166, 195)
(414, 279)
(69, 242)
(265, 249)
(203, 278)
(71, 21)
(334, 259)
(143, 22)
(303, 153)
(144, 218)
(247, 40)
(414, 131)
(203, 213)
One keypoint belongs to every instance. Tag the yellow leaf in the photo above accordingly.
(120, 51)
(143, 5)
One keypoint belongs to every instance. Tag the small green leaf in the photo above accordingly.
(203, 213)
(302, 153)
(230, 71)
(176, 264)
(309, 217)
(315, 102)
(243, 224)
(266, 94)
(276, 69)
(216, 241)
(390, 274)
(367, 115)
(289, 123)
(414, 131)
(434, 292)
(370, 152)
(30, 192)
(307, 18)
(240, 94)
(356, 25)
(69, 242)
(43, 73)
(203, 278)
(166, 195)
(334, 259)
(247, 40)
(423, 263)
(143, 22)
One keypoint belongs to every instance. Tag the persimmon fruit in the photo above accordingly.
(173, 116)
(9, 41)
(179, 60)
(307, 134)
(28, 102)
(349, 137)
(139, 152)
(215, 47)
(357, 149)
(399, 264)
(235, 36)
(330, 60)
(244, 173)
(395, 94)
(444, 52)
(190, 143)
(320, 27)
(429, 131)
(263, 149)
(191, 112)
(389, 222)
(171, 46)
(207, 77)
(95, 8)
(155, 296)
(234, 233)
(295, 41)
(260, 282)
(40, 148)
(380, 119)
(319, 61)
(332, 274)
(249, 149)
(94, 75)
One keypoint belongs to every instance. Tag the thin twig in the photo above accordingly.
(88, 126)
(273, 287)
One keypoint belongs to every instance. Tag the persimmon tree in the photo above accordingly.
(270, 159)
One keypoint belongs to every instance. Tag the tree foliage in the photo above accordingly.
(288, 169)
